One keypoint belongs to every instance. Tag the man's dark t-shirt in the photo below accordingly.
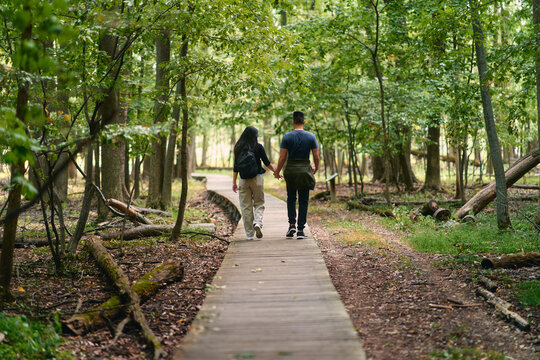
(299, 144)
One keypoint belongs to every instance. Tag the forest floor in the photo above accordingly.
(40, 292)
(392, 292)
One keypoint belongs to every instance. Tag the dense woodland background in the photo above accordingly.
(411, 94)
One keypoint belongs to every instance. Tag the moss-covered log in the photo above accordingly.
(128, 296)
(131, 213)
(381, 212)
(146, 286)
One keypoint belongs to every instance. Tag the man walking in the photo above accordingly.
(296, 147)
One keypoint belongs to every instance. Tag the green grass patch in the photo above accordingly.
(529, 292)
(26, 339)
(467, 354)
(428, 235)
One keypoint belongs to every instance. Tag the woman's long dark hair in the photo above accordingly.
(247, 141)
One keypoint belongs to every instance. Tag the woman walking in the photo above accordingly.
(248, 154)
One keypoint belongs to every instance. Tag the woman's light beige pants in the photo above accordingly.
(251, 194)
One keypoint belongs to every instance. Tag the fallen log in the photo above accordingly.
(132, 214)
(360, 206)
(140, 232)
(129, 297)
(146, 286)
(151, 211)
(503, 307)
(487, 194)
(487, 283)
(512, 261)
(527, 187)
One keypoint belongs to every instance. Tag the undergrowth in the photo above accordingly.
(27, 339)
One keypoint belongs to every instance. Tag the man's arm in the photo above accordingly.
(281, 162)
(316, 159)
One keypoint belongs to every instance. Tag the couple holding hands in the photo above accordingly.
(296, 147)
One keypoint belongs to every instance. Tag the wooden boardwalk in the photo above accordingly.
(271, 299)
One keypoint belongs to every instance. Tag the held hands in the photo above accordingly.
(314, 170)
(235, 187)
(277, 175)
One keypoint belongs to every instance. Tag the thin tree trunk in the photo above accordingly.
(86, 204)
(205, 150)
(503, 218)
(14, 196)
(166, 192)
(175, 234)
(157, 159)
(536, 22)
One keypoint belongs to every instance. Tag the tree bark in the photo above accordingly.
(503, 218)
(488, 193)
(112, 155)
(14, 196)
(433, 168)
(166, 191)
(157, 159)
(205, 150)
(145, 287)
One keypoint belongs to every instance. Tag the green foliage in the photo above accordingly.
(529, 292)
(467, 354)
(27, 339)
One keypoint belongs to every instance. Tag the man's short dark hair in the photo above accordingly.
(298, 117)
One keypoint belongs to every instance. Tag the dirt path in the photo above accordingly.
(387, 289)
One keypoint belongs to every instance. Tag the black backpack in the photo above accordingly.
(247, 164)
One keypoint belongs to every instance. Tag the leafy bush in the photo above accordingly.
(25, 339)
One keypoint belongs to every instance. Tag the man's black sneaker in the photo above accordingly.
(301, 235)
(291, 232)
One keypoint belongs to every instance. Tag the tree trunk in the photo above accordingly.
(488, 193)
(86, 204)
(166, 192)
(377, 167)
(536, 22)
(205, 150)
(268, 138)
(184, 158)
(433, 169)
(14, 196)
(157, 159)
(145, 287)
(112, 156)
(503, 218)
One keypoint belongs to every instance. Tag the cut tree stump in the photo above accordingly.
(487, 194)
(132, 214)
(503, 307)
(429, 208)
(115, 273)
(512, 261)
(442, 214)
(146, 286)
